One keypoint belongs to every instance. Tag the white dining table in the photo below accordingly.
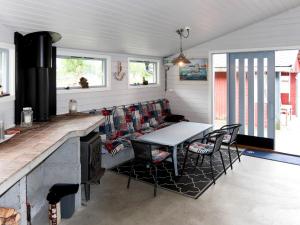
(175, 135)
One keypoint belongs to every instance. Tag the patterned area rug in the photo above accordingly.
(194, 180)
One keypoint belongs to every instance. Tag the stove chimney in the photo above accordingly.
(36, 74)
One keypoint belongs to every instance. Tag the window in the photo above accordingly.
(142, 72)
(71, 68)
(4, 70)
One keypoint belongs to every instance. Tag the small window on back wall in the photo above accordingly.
(70, 69)
(4, 71)
(142, 72)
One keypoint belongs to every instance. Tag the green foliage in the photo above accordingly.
(75, 66)
(138, 71)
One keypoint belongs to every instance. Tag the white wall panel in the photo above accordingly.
(119, 94)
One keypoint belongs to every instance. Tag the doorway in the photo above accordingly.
(278, 120)
(288, 125)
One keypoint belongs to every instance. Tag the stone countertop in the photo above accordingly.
(23, 152)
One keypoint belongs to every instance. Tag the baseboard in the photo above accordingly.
(266, 144)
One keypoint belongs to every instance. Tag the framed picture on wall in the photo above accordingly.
(196, 70)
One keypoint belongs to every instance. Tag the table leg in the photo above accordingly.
(175, 160)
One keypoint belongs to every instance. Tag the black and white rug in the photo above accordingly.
(195, 180)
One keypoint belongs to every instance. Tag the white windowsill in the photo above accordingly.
(82, 90)
(144, 86)
(9, 98)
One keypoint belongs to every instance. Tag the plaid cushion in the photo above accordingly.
(115, 146)
(144, 110)
(137, 118)
(107, 127)
(201, 148)
(153, 122)
(151, 110)
(159, 116)
(122, 120)
(165, 106)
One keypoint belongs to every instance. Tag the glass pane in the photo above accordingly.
(141, 71)
(70, 70)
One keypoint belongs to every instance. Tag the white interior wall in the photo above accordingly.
(193, 98)
(119, 93)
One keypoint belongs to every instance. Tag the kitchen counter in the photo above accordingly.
(25, 151)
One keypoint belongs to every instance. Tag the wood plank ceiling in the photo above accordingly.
(141, 27)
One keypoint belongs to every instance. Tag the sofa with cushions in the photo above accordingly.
(123, 123)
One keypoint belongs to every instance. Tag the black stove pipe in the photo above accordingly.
(35, 74)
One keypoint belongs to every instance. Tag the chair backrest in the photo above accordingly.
(232, 130)
(142, 150)
(217, 136)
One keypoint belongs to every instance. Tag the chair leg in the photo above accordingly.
(212, 170)
(202, 160)
(197, 160)
(222, 162)
(155, 181)
(173, 171)
(184, 162)
(237, 151)
(130, 173)
(230, 160)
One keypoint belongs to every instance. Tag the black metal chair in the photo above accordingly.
(230, 137)
(151, 158)
(206, 147)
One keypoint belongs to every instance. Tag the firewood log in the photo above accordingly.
(13, 220)
(7, 212)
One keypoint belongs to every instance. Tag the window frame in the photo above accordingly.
(65, 53)
(151, 60)
(10, 48)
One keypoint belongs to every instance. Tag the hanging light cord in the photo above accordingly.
(181, 34)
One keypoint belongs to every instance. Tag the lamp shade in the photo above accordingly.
(181, 60)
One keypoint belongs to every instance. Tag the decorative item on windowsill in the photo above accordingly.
(26, 117)
(181, 60)
(145, 82)
(72, 106)
(119, 75)
(84, 82)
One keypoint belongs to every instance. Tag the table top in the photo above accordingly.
(24, 151)
(175, 134)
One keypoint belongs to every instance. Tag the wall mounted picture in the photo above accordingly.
(196, 70)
